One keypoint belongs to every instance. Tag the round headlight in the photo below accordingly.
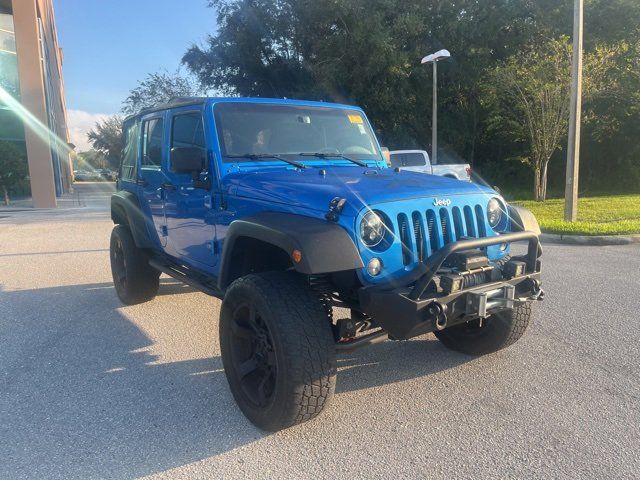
(371, 229)
(494, 212)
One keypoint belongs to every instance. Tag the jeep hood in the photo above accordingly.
(309, 188)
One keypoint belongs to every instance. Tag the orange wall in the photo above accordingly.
(25, 15)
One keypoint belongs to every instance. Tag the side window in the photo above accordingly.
(414, 160)
(187, 131)
(407, 160)
(130, 154)
(396, 160)
(152, 143)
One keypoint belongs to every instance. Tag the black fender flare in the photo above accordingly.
(523, 220)
(325, 246)
(125, 210)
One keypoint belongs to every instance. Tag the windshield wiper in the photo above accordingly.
(336, 155)
(260, 156)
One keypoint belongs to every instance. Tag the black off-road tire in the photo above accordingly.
(497, 332)
(277, 349)
(134, 279)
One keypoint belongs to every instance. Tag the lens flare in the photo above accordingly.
(32, 123)
(42, 131)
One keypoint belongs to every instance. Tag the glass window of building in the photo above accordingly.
(8, 58)
(11, 128)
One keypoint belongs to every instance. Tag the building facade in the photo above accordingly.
(33, 113)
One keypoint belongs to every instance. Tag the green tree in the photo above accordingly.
(13, 168)
(367, 52)
(612, 117)
(530, 92)
(91, 159)
(159, 87)
(107, 138)
(528, 97)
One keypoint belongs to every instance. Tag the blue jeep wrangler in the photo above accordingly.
(286, 209)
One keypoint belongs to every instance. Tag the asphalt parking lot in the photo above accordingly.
(92, 389)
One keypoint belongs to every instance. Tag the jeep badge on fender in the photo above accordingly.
(286, 209)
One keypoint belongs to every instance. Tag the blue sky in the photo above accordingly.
(109, 45)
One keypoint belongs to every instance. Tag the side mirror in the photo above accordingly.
(187, 160)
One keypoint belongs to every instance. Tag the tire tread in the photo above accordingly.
(506, 329)
(143, 281)
(308, 345)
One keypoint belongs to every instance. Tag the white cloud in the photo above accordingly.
(80, 122)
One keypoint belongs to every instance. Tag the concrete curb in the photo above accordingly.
(596, 240)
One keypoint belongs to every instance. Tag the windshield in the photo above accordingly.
(250, 129)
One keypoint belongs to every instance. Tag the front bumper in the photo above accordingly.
(406, 311)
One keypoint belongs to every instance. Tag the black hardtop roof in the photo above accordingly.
(173, 103)
(186, 101)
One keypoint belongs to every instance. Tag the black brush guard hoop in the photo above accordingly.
(427, 269)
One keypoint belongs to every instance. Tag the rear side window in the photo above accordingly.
(407, 160)
(130, 154)
(187, 131)
(152, 142)
(396, 160)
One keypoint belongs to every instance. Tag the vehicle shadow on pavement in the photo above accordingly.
(392, 362)
(68, 252)
(81, 396)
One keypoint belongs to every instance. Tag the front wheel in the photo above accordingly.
(494, 333)
(277, 349)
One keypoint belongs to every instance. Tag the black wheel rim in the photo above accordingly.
(253, 356)
(119, 265)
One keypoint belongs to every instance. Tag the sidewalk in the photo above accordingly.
(83, 194)
(87, 198)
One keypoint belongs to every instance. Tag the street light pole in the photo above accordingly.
(573, 148)
(434, 130)
(434, 58)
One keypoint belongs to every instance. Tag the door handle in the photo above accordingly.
(141, 182)
(168, 186)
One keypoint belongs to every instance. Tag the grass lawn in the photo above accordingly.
(613, 215)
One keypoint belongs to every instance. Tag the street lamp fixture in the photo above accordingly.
(435, 58)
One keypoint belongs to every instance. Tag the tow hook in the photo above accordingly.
(538, 293)
(439, 313)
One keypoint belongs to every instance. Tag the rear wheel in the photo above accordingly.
(134, 279)
(277, 349)
(494, 333)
